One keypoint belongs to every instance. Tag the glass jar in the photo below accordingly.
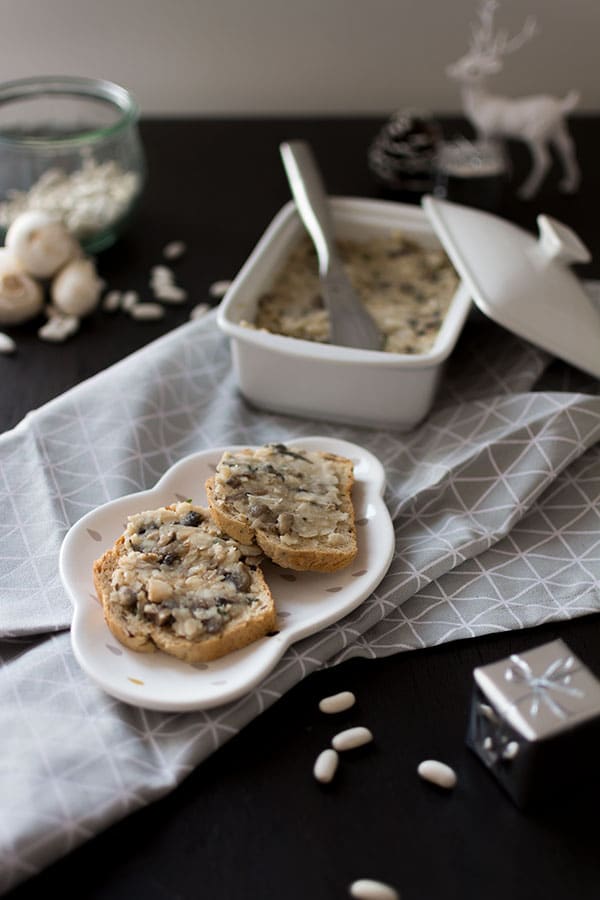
(70, 146)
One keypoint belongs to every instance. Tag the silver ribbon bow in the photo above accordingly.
(544, 688)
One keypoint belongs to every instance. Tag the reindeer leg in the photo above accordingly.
(565, 147)
(540, 165)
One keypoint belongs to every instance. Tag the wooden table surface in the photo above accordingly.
(251, 822)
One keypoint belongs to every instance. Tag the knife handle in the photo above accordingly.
(311, 199)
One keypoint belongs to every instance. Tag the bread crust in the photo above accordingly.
(313, 555)
(143, 636)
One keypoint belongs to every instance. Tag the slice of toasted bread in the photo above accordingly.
(173, 581)
(296, 504)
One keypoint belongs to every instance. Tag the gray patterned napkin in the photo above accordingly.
(494, 505)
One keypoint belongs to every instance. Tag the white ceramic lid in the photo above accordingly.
(523, 283)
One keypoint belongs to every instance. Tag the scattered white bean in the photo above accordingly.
(337, 702)
(7, 345)
(325, 766)
(170, 293)
(199, 310)
(111, 301)
(174, 250)
(146, 311)
(437, 773)
(161, 275)
(218, 289)
(351, 738)
(129, 300)
(368, 889)
(164, 288)
(58, 328)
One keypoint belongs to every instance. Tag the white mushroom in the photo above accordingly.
(76, 289)
(21, 297)
(41, 243)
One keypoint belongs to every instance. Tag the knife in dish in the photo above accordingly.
(350, 323)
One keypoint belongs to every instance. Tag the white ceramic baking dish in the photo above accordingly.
(321, 381)
(523, 283)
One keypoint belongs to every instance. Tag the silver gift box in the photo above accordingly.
(535, 722)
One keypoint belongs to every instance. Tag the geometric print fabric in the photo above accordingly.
(494, 500)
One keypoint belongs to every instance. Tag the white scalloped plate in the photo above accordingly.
(306, 601)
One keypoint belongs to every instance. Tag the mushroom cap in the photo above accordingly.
(21, 297)
(76, 289)
(41, 242)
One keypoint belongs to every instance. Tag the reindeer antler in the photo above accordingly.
(505, 45)
(484, 41)
(483, 33)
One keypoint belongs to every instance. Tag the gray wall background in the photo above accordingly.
(268, 57)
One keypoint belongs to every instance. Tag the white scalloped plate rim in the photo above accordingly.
(306, 602)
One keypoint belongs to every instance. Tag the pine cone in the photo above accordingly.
(402, 156)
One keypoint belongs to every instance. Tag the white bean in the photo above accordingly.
(7, 345)
(325, 766)
(169, 293)
(174, 250)
(218, 289)
(337, 702)
(368, 889)
(58, 328)
(161, 275)
(146, 311)
(199, 310)
(351, 738)
(437, 773)
(92, 197)
(129, 299)
(111, 301)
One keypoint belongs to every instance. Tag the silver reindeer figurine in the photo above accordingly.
(538, 120)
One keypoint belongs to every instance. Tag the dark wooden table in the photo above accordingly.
(251, 822)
